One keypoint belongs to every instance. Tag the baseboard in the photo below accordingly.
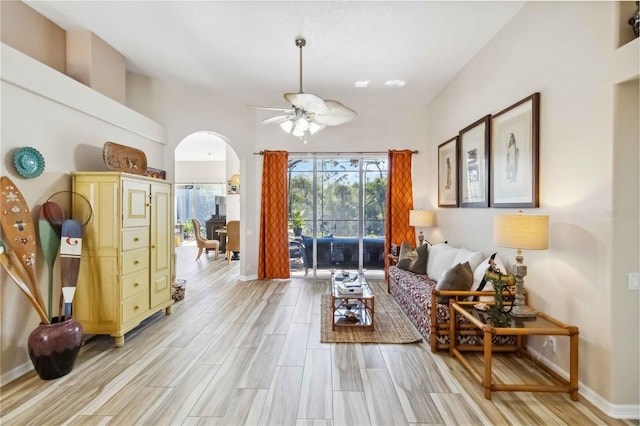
(248, 277)
(617, 411)
(16, 372)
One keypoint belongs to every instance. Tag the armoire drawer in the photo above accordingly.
(135, 306)
(135, 238)
(135, 283)
(135, 260)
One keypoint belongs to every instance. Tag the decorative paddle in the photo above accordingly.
(70, 252)
(50, 240)
(19, 230)
(17, 273)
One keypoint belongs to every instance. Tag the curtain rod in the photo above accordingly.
(337, 153)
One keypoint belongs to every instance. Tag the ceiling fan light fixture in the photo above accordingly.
(315, 127)
(300, 127)
(287, 126)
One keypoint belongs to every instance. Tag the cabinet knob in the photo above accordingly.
(136, 284)
(135, 262)
(153, 246)
(136, 239)
(136, 307)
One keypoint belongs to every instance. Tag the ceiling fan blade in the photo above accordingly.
(277, 119)
(283, 109)
(339, 114)
(308, 102)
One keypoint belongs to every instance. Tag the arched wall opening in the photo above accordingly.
(205, 164)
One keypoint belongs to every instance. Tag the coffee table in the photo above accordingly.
(352, 310)
(542, 325)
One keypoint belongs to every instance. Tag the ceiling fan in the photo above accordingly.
(308, 113)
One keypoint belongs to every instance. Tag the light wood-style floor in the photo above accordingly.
(236, 353)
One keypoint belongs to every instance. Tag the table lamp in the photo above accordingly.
(421, 218)
(522, 232)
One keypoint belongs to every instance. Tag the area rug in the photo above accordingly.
(390, 324)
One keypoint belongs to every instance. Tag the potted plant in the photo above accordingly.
(297, 222)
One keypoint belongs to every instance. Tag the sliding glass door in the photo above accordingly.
(336, 211)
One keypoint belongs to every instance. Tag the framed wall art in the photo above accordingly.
(514, 154)
(448, 173)
(473, 156)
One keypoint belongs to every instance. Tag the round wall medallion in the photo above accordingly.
(29, 162)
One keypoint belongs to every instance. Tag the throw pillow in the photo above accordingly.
(460, 277)
(465, 255)
(413, 259)
(440, 259)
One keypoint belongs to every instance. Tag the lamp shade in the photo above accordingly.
(420, 218)
(521, 231)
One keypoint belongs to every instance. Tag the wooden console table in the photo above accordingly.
(542, 325)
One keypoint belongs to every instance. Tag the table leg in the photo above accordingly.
(488, 347)
(452, 328)
(573, 365)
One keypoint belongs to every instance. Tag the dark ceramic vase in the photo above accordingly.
(54, 347)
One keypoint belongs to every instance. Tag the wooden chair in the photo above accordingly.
(233, 238)
(203, 243)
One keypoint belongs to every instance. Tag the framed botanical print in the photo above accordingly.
(448, 173)
(514, 154)
(473, 156)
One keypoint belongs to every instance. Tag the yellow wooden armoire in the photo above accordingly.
(127, 251)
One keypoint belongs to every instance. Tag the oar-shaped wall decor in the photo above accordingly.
(20, 233)
(18, 274)
(70, 252)
(50, 212)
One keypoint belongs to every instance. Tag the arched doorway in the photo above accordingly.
(204, 164)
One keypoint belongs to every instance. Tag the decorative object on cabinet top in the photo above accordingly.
(156, 173)
(29, 162)
(123, 158)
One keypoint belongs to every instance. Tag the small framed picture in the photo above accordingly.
(473, 156)
(448, 173)
(514, 154)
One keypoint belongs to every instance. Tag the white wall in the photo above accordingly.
(46, 110)
(565, 51)
(200, 171)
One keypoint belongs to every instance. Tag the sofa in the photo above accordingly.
(342, 253)
(416, 292)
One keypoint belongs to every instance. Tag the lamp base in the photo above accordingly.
(522, 312)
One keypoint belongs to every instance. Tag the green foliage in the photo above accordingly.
(297, 220)
(338, 194)
(187, 229)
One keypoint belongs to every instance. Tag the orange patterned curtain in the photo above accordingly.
(273, 252)
(399, 202)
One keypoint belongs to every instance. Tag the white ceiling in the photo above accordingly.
(245, 50)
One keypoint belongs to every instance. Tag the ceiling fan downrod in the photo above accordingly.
(300, 42)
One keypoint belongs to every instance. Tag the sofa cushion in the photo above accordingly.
(459, 277)
(413, 259)
(465, 255)
(440, 259)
